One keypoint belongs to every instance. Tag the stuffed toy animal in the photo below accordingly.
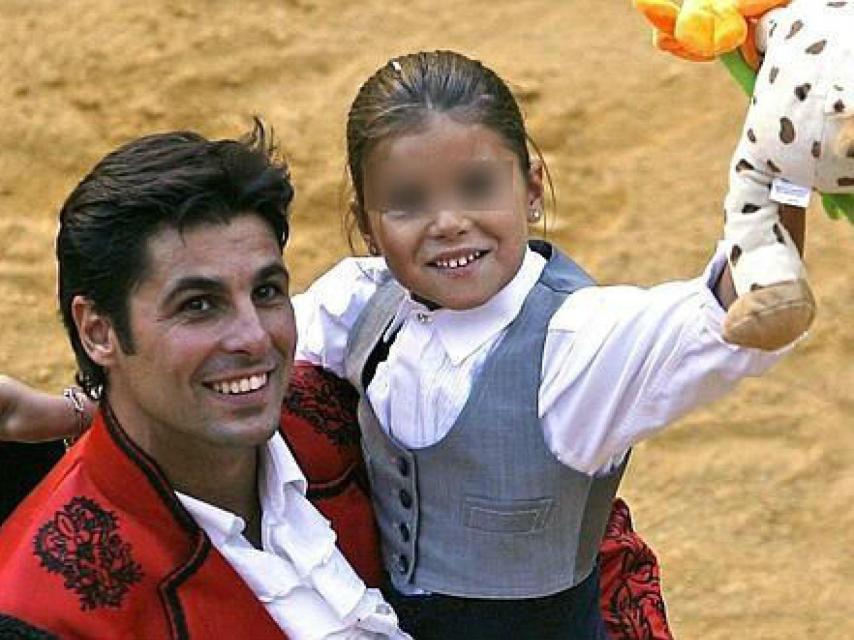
(797, 61)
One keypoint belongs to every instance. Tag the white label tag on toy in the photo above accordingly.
(786, 192)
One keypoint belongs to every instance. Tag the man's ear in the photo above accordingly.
(95, 330)
(535, 190)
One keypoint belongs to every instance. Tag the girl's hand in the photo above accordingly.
(27, 415)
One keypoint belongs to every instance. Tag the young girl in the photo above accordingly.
(500, 389)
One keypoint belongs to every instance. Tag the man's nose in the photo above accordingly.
(248, 333)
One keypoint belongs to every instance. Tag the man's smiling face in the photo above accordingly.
(213, 338)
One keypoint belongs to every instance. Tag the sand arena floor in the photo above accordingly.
(748, 502)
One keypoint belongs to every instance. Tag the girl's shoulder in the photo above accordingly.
(351, 280)
(328, 309)
(354, 271)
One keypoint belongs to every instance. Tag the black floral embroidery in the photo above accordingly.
(82, 544)
(326, 402)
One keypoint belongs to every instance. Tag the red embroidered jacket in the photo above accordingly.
(103, 549)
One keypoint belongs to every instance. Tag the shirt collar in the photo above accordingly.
(464, 332)
(277, 469)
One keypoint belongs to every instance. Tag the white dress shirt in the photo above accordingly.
(619, 362)
(302, 579)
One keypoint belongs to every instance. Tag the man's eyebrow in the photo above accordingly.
(274, 269)
(193, 283)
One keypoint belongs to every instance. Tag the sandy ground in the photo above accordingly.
(746, 502)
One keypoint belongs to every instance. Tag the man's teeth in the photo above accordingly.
(240, 385)
(462, 261)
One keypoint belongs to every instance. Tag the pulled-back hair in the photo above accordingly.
(404, 93)
(172, 180)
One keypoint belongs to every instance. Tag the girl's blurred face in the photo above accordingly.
(447, 206)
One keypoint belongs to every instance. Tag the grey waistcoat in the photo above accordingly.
(488, 511)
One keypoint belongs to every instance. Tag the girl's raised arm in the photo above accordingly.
(27, 415)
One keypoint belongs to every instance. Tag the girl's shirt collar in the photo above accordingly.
(464, 332)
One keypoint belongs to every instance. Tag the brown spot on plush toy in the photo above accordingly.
(743, 165)
(817, 48)
(787, 131)
(797, 25)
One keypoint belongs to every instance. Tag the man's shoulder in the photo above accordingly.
(74, 560)
(63, 552)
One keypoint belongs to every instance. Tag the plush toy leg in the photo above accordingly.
(775, 305)
(771, 317)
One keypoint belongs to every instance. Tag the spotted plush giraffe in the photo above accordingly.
(798, 136)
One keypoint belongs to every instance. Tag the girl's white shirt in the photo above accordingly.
(300, 576)
(619, 362)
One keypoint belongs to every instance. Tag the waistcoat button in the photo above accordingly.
(403, 466)
(405, 499)
(404, 532)
(402, 564)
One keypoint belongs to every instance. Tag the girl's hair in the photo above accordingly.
(404, 93)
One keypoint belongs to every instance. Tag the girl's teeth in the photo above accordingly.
(454, 263)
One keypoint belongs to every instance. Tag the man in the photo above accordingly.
(181, 512)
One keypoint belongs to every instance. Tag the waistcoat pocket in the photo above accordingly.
(513, 516)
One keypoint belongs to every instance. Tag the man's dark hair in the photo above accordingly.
(169, 180)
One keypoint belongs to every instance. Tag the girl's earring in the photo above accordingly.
(534, 214)
(373, 249)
